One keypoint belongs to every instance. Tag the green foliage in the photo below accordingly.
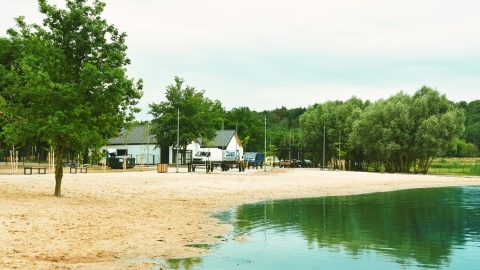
(472, 113)
(197, 116)
(472, 133)
(67, 85)
(475, 170)
(337, 118)
(463, 149)
(250, 126)
(472, 121)
(455, 166)
(405, 131)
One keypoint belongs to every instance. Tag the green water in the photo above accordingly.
(411, 229)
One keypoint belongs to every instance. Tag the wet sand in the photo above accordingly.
(107, 220)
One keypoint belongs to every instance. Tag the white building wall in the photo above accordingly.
(150, 155)
(234, 146)
(194, 146)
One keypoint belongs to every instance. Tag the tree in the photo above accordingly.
(463, 149)
(8, 53)
(472, 122)
(437, 124)
(472, 132)
(336, 117)
(312, 124)
(68, 85)
(405, 131)
(197, 115)
(250, 126)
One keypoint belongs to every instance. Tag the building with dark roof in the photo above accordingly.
(134, 135)
(224, 139)
(136, 142)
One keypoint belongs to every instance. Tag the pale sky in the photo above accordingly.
(266, 54)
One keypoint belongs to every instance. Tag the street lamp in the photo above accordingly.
(178, 133)
(323, 160)
(265, 147)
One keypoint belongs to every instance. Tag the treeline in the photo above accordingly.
(400, 134)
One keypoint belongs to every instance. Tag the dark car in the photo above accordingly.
(307, 163)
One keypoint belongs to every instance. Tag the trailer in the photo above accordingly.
(213, 157)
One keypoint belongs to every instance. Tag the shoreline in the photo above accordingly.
(107, 220)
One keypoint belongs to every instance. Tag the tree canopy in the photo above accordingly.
(187, 108)
(65, 82)
(406, 132)
(399, 134)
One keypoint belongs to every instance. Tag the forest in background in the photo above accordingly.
(400, 134)
(298, 133)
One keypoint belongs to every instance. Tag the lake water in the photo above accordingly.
(411, 229)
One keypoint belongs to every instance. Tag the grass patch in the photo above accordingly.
(455, 166)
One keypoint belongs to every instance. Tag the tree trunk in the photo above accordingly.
(59, 170)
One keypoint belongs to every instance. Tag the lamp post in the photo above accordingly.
(178, 133)
(265, 146)
(323, 161)
(339, 149)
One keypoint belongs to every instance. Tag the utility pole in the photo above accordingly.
(178, 133)
(323, 161)
(265, 146)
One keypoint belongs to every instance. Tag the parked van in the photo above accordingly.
(254, 159)
(215, 155)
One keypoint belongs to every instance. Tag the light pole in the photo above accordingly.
(178, 133)
(265, 147)
(339, 149)
(323, 161)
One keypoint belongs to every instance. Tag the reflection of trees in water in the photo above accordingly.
(184, 263)
(421, 224)
(471, 201)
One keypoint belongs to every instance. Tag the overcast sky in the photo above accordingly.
(265, 54)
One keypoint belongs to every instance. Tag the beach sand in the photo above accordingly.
(108, 220)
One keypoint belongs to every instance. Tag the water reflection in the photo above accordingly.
(410, 229)
(185, 263)
(428, 228)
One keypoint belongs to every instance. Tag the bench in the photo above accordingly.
(74, 169)
(38, 168)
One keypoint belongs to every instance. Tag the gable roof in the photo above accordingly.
(222, 138)
(134, 135)
(139, 135)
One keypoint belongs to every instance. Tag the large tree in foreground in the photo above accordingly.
(197, 116)
(67, 86)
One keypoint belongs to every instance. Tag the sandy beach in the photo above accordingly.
(106, 220)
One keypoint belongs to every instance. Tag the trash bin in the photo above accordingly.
(162, 167)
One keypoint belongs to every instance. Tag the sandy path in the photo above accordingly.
(103, 220)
